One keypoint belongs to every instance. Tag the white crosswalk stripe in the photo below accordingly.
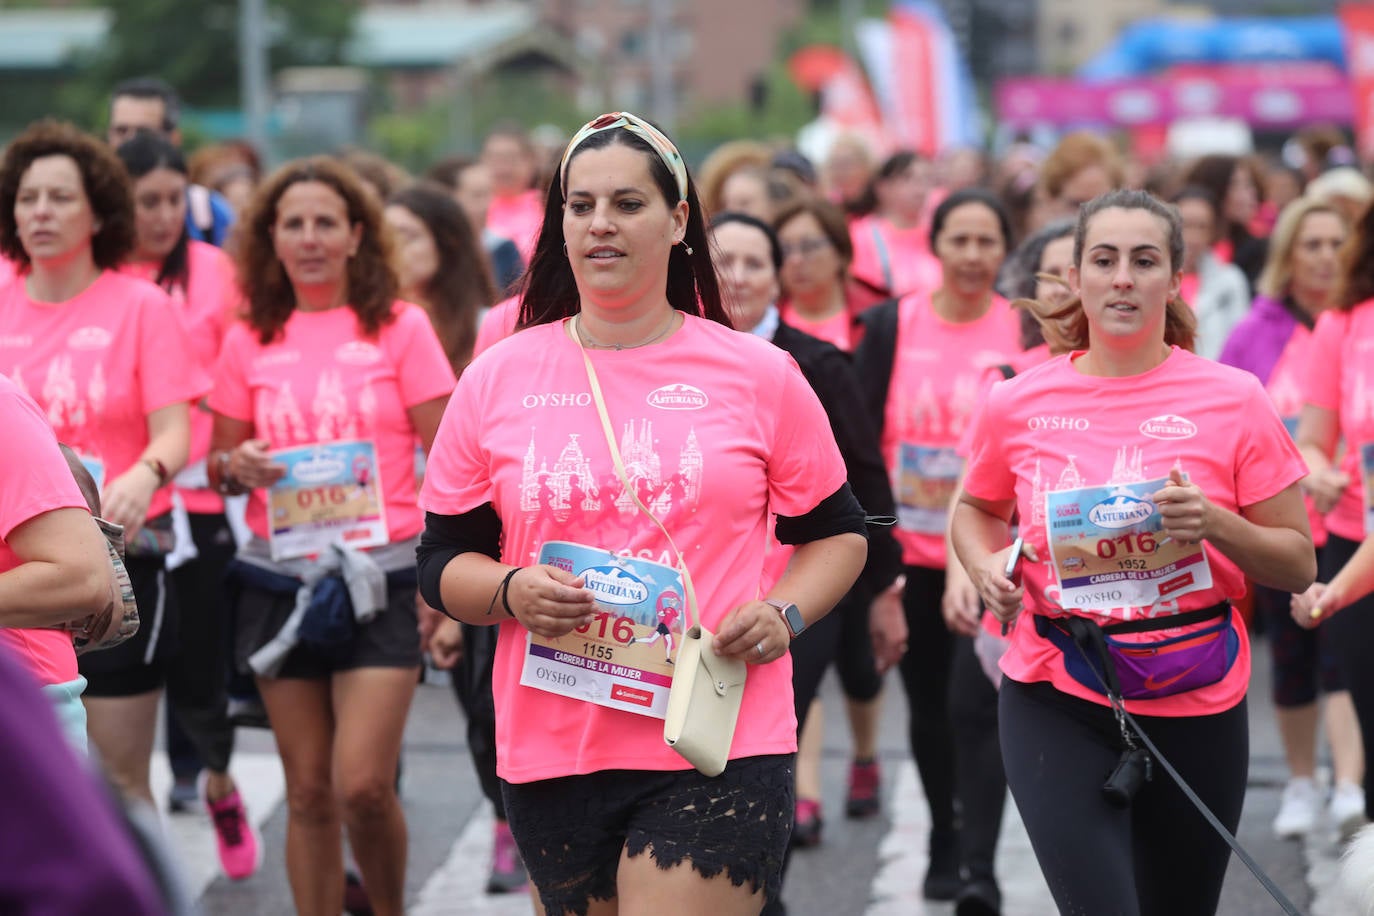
(456, 888)
(903, 857)
(191, 835)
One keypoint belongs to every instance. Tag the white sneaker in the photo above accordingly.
(1298, 810)
(1347, 809)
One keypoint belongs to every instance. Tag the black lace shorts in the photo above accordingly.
(571, 830)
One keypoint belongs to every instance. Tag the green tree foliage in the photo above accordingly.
(195, 47)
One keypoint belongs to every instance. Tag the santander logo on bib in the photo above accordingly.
(89, 338)
(1169, 426)
(678, 396)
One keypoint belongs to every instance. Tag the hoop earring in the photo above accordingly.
(565, 249)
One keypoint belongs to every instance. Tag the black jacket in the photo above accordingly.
(830, 373)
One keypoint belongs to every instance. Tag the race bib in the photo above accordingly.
(330, 494)
(1108, 552)
(624, 658)
(926, 478)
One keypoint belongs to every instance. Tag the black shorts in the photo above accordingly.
(139, 664)
(571, 830)
(389, 640)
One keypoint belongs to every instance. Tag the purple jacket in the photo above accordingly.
(1257, 342)
(64, 848)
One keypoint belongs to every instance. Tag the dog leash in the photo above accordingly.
(1119, 707)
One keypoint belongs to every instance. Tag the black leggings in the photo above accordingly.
(842, 637)
(1350, 638)
(1158, 857)
(925, 673)
(981, 784)
(471, 680)
(199, 731)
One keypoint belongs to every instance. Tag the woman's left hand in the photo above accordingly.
(754, 633)
(127, 497)
(1183, 509)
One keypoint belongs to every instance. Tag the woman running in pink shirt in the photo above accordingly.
(1148, 483)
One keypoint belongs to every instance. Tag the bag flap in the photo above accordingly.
(725, 672)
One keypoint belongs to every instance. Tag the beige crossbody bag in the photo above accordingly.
(704, 700)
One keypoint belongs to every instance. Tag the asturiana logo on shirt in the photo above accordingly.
(613, 585)
(1168, 426)
(89, 338)
(678, 397)
(1120, 512)
(358, 353)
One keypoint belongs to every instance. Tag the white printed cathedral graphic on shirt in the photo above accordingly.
(334, 419)
(66, 409)
(570, 486)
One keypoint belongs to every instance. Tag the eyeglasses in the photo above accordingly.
(806, 247)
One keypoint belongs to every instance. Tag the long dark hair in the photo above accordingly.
(549, 292)
(147, 152)
(462, 285)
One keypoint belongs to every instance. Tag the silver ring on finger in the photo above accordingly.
(759, 646)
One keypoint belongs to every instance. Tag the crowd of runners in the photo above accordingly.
(1052, 433)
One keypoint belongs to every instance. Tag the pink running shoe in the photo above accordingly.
(240, 852)
(507, 871)
(865, 779)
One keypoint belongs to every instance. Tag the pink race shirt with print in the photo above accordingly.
(36, 480)
(1340, 378)
(719, 432)
(497, 324)
(897, 260)
(837, 329)
(324, 380)
(99, 364)
(1285, 390)
(1053, 428)
(939, 372)
(518, 218)
(208, 306)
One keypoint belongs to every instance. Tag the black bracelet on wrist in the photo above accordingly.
(503, 592)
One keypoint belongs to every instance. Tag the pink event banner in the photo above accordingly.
(1261, 100)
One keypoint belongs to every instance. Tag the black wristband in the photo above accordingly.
(503, 592)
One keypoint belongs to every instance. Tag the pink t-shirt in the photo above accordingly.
(1053, 428)
(1340, 378)
(1285, 390)
(36, 480)
(897, 260)
(497, 324)
(837, 329)
(518, 218)
(99, 364)
(8, 270)
(938, 376)
(208, 306)
(719, 432)
(323, 380)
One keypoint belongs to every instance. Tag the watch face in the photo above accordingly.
(791, 615)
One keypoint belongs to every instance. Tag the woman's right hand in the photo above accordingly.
(251, 464)
(1325, 487)
(549, 601)
(1319, 598)
(1000, 595)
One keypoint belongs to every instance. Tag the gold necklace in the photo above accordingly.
(588, 340)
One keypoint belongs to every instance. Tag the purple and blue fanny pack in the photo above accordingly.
(1096, 657)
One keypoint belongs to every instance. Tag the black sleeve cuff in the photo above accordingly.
(445, 537)
(838, 513)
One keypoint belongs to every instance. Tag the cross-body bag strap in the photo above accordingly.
(606, 428)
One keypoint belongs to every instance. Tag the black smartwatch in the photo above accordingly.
(791, 615)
